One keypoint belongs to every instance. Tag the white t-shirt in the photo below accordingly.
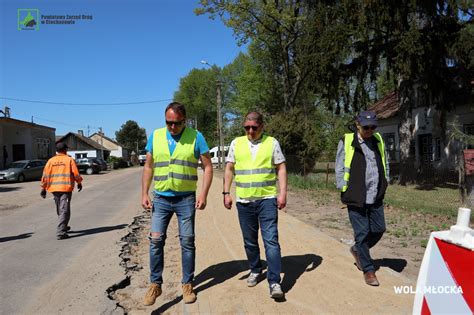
(277, 158)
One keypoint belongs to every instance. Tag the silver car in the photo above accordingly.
(23, 170)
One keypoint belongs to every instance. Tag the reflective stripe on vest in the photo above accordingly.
(177, 172)
(349, 151)
(254, 178)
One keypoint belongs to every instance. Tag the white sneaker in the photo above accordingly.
(253, 279)
(275, 291)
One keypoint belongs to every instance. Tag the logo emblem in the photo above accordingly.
(28, 19)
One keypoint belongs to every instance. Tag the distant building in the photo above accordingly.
(83, 147)
(115, 148)
(22, 140)
(429, 147)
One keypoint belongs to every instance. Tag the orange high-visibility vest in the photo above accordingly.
(60, 174)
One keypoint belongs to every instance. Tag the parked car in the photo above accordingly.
(89, 165)
(23, 170)
(103, 164)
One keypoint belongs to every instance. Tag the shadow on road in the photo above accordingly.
(395, 264)
(16, 237)
(210, 277)
(7, 189)
(292, 267)
(79, 233)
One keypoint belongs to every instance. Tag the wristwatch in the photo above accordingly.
(226, 193)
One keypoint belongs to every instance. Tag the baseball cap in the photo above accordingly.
(367, 118)
(61, 146)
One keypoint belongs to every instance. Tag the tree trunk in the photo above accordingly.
(406, 127)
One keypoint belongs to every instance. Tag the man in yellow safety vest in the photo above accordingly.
(257, 161)
(362, 176)
(172, 162)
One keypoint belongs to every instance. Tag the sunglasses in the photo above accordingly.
(369, 127)
(176, 123)
(254, 128)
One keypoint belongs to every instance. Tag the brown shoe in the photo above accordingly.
(371, 279)
(188, 293)
(153, 292)
(356, 257)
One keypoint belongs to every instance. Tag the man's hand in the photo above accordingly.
(281, 201)
(146, 202)
(228, 201)
(201, 202)
(79, 187)
(43, 193)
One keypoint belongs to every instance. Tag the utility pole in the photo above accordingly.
(101, 143)
(220, 149)
(220, 146)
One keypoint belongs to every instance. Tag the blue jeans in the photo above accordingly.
(262, 212)
(163, 210)
(368, 224)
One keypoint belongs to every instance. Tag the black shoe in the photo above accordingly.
(68, 228)
(62, 237)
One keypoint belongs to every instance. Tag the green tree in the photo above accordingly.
(424, 44)
(278, 30)
(131, 135)
(197, 91)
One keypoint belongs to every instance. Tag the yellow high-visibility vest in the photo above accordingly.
(177, 172)
(349, 154)
(254, 178)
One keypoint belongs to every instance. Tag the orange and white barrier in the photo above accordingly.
(446, 279)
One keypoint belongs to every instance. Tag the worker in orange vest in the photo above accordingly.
(59, 176)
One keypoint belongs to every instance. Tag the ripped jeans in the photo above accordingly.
(163, 210)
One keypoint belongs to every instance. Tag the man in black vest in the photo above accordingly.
(361, 175)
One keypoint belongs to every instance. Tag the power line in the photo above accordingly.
(84, 104)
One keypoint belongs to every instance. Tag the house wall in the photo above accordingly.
(427, 124)
(117, 153)
(38, 141)
(387, 128)
(90, 153)
(462, 115)
(106, 143)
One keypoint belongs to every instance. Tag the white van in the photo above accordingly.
(214, 154)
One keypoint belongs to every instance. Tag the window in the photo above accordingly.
(389, 139)
(81, 156)
(469, 130)
(43, 146)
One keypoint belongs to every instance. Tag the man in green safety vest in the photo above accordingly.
(172, 162)
(362, 176)
(258, 162)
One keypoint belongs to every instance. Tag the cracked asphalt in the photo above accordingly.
(41, 275)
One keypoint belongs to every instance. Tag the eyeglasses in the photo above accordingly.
(254, 128)
(176, 123)
(369, 127)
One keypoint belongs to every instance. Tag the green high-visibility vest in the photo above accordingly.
(177, 172)
(349, 154)
(254, 178)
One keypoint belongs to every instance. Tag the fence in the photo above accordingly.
(449, 189)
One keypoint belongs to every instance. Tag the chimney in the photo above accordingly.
(81, 132)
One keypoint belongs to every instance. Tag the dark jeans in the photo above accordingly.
(368, 224)
(63, 209)
(163, 210)
(262, 212)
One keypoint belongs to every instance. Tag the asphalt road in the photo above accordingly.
(40, 274)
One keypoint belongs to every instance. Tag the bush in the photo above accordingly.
(117, 162)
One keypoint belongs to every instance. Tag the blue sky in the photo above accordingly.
(131, 51)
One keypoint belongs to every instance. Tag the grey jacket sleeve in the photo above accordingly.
(339, 167)
(387, 165)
